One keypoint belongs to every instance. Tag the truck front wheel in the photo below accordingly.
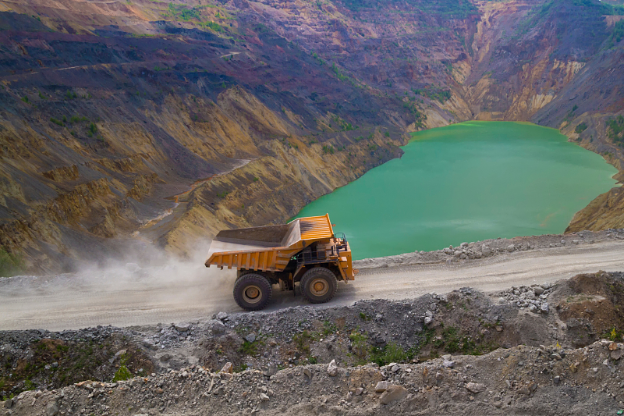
(252, 291)
(319, 285)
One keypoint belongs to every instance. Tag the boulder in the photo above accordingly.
(182, 327)
(227, 368)
(332, 369)
(382, 386)
(216, 327)
(475, 388)
(393, 394)
(52, 409)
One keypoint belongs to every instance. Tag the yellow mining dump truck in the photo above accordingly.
(304, 251)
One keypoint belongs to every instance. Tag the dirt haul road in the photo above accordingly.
(129, 295)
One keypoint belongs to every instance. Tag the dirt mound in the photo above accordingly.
(521, 380)
(590, 306)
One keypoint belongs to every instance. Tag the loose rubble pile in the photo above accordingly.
(492, 248)
(532, 297)
(548, 349)
(545, 380)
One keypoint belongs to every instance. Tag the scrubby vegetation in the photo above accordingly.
(615, 130)
(57, 122)
(57, 363)
(434, 93)
(450, 9)
(10, 264)
(580, 128)
(617, 35)
(419, 118)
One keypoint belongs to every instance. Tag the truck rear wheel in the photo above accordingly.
(319, 285)
(252, 291)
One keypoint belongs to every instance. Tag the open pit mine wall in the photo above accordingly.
(94, 150)
(107, 122)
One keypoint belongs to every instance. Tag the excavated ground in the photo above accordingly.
(540, 349)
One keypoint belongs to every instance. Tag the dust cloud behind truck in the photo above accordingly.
(304, 253)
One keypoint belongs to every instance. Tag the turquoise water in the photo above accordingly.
(466, 182)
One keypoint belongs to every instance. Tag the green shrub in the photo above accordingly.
(617, 35)
(212, 25)
(359, 344)
(580, 128)
(122, 374)
(434, 93)
(302, 341)
(613, 335)
(57, 122)
(615, 129)
(25, 99)
(390, 353)
(29, 385)
(364, 317)
(329, 328)
(77, 119)
(249, 348)
(339, 74)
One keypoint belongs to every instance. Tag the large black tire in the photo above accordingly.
(319, 285)
(252, 291)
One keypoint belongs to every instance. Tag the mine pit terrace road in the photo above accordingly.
(193, 293)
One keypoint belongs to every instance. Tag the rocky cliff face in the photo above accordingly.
(168, 121)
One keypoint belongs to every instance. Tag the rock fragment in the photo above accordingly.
(227, 368)
(332, 369)
(392, 394)
(382, 386)
(475, 388)
(182, 327)
(52, 409)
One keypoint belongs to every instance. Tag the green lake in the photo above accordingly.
(466, 182)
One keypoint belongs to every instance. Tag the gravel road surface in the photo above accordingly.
(130, 295)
